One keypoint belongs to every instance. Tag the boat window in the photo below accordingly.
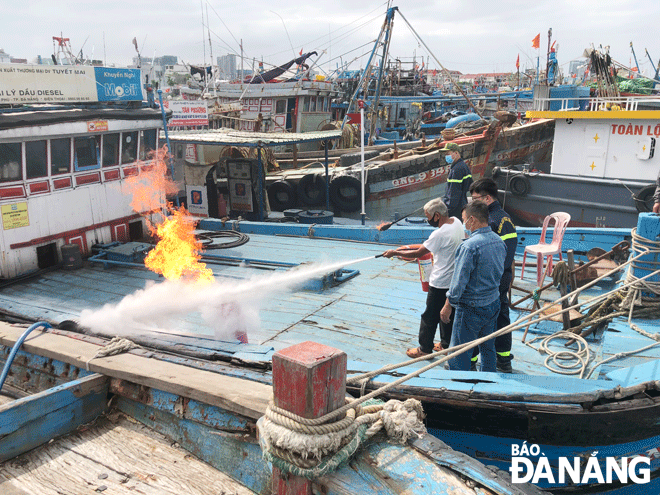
(110, 149)
(36, 159)
(402, 113)
(320, 106)
(10, 162)
(147, 144)
(60, 156)
(312, 103)
(128, 147)
(280, 106)
(305, 104)
(85, 153)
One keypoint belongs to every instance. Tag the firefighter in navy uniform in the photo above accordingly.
(486, 190)
(459, 180)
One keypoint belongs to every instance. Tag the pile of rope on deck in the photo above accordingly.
(314, 447)
(638, 299)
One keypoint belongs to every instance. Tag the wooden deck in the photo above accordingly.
(373, 317)
(114, 455)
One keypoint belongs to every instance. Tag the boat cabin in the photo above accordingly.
(613, 137)
(65, 153)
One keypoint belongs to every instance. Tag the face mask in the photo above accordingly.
(468, 232)
(433, 222)
(449, 159)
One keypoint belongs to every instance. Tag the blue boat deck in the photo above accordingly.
(373, 317)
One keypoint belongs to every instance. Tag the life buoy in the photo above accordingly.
(519, 185)
(281, 195)
(346, 193)
(644, 199)
(311, 190)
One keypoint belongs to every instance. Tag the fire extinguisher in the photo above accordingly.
(425, 265)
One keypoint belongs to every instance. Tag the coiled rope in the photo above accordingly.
(629, 301)
(117, 345)
(556, 360)
(310, 451)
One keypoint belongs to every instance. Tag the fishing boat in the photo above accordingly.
(82, 182)
(603, 165)
(194, 377)
(283, 99)
(394, 181)
(72, 139)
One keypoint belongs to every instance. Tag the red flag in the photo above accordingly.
(301, 52)
(536, 42)
(518, 62)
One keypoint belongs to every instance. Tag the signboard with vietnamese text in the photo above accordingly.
(187, 113)
(15, 216)
(24, 83)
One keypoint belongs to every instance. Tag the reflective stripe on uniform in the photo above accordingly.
(504, 354)
(455, 180)
(508, 236)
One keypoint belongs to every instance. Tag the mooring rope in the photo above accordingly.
(312, 451)
(117, 345)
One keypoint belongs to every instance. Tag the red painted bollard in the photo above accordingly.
(309, 380)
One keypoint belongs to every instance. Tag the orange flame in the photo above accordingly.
(383, 224)
(150, 186)
(177, 254)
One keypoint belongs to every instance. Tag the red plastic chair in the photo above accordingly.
(548, 250)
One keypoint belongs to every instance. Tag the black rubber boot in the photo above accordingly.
(503, 364)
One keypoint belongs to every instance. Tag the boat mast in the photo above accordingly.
(386, 48)
(367, 69)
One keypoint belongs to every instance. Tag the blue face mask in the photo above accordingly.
(449, 159)
(468, 232)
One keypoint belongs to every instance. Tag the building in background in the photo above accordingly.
(227, 67)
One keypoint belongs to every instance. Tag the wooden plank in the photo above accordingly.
(121, 455)
(246, 398)
(238, 455)
(31, 421)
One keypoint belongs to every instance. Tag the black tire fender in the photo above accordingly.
(519, 185)
(281, 195)
(345, 193)
(644, 198)
(311, 190)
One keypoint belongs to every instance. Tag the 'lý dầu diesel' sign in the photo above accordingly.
(22, 84)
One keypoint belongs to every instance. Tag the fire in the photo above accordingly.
(149, 187)
(177, 254)
(383, 224)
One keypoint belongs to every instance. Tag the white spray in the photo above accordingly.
(227, 306)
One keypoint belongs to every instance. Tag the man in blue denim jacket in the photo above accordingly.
(474, 290)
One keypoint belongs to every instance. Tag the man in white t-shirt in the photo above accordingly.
(442, 243)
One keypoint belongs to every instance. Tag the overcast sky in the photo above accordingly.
(466, 35)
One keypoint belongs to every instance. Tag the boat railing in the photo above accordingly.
(594, 104)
